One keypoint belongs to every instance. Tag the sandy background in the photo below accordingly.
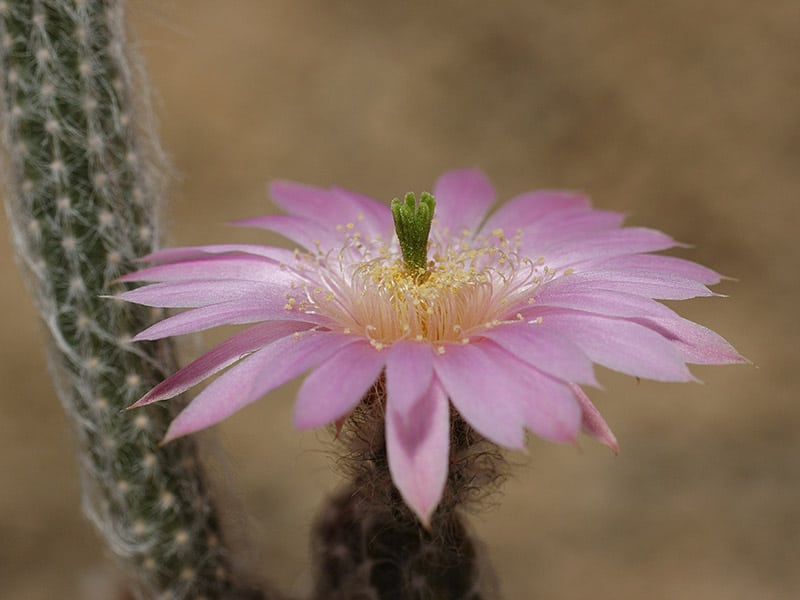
(682, 113)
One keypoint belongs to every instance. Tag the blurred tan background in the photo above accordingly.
(682, 113)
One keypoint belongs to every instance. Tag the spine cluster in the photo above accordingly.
(81, 192)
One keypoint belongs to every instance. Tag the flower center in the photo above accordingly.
(436, 307)
(469, 285)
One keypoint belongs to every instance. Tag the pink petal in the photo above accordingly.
(550, 408)
(651, 284)
(310, 234)
(462, 199)
(593, 422)
(191, 294)
(221, 356)
(226, 266)
(565, 225)
(483, 392)
(545, 350)
(310, 202)
(602, 245)
(335, 387)
(619, 344)
(599, 301)
(186, 253)
(409, 371)
(697, 344)
(418, 446)
(663, 265)
(529, 207)
(256, 375)
(332, 207)
(377, 217)
(170, 255)
(234, 312)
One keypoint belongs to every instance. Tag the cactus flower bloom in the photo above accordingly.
(497, 315)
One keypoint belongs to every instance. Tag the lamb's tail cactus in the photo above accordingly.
(81, 190)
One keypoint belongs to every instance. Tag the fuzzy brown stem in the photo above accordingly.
(368, 544)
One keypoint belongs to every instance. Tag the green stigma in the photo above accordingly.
(412, 222)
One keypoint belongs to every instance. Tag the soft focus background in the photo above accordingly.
(684, 114)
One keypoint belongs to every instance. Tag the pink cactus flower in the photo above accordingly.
(497, 315)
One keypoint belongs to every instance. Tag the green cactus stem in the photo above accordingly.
(81, 193)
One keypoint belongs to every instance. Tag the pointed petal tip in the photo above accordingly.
(148, 398)
(339, 424)
(246, 221)
(168, 437)
(425, 518)
(175, 431)
(602, 434)
(605, 436)
(593, 423)
(126, 278)
(571, 436)
(522, 448)
(148, 257)
(731, 358)
(143, 336)
(592, 381)
(237, 223)
(735, 358)
(304, 424)
(423, 509)
(422, 503)
(610, 440)
(276, 184)
(305, 421)
(277, 187)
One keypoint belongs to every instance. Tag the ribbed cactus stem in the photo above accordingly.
(368, 544)
(81, 193)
